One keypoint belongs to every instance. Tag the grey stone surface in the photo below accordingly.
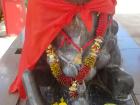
(8, 70)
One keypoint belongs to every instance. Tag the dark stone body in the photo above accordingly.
(108, 64)
(110, 77)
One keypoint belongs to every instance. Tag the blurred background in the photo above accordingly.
(128, 15)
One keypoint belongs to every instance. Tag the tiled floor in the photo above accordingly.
(8, 70)
(131, 22)
(5, 42)
(130, 46)
(131, 57)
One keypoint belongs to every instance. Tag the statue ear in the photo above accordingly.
(114, 27)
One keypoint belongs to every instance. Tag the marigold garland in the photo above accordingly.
(87, 62)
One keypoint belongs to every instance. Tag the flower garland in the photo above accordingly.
(88, 62)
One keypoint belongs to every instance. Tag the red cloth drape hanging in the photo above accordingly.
(14, 15)
(45, 19)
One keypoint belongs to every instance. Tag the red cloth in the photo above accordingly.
(14, 21)
(45, 19)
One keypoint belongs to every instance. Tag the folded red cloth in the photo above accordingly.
(45, 19)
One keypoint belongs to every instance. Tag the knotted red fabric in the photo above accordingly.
(45, 19)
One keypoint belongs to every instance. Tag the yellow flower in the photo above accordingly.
(109, 104)
(55, 103)
(62, 102)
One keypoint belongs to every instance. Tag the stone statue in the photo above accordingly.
(108, 63)
(70, 53)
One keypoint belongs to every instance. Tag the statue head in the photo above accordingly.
(78, 1)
